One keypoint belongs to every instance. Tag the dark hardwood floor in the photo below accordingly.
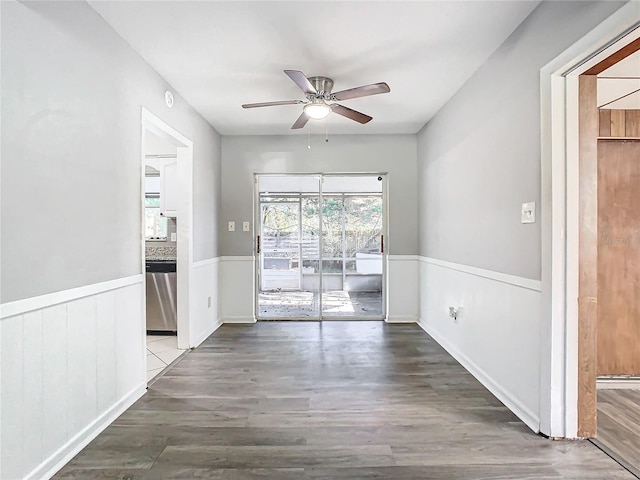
(619, 426)
(326, 401)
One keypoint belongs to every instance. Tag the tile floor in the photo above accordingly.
(161, 351)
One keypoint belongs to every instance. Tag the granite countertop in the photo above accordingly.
(160, 253)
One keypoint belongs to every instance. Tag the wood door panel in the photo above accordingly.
(618, 335)
(632, 123)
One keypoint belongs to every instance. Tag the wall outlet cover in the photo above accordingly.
(245, 226)
(232, 226)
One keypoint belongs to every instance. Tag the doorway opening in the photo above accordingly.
(573, 173)
(320, 247)
(167, 159)
(609, 130)
(569, 228)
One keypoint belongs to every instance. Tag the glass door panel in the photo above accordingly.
(353, 228)
(289, 247)
(321, 249)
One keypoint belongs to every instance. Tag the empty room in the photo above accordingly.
(319, 240)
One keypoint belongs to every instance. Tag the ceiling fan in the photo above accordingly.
(317, 90)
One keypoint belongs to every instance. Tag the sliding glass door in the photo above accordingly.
(320, 247)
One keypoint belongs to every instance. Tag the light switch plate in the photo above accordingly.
(232, 226)
(528, 212)
(174, 237)
(245, 226)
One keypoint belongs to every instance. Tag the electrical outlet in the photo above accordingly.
(453, 313)
(209, 301)
(232, 226)
(245, 226)
(174, 237)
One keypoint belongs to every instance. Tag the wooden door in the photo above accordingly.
(618, 258)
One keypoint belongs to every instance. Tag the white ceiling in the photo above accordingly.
(619, 85)
(219, 55)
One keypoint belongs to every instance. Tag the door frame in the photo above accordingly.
(258, 222)
(184, 259)
(567, 356)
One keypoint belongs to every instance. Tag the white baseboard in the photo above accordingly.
(206, 334)
(402, 319)
(64, 454)
(521, 411)
(238, 320)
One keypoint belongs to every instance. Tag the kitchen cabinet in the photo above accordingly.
(169, 189)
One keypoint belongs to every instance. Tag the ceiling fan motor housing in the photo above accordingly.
(323, 86)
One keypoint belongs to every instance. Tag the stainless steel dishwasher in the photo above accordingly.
(161, 296)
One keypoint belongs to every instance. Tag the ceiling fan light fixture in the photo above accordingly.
(317, 111)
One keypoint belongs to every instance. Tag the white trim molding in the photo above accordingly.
(19, 307)
(238, 319)
(204, 263)
(528, 283)
(402, 319)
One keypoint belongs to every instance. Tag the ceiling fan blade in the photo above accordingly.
(351, 114)
(364, 91)
(271, 104)
(302, 81)
(300, 122)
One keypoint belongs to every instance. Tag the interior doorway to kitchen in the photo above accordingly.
(320, 247)
(166, 241)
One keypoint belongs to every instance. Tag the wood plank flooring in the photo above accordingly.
(326, 401)
(619, 426)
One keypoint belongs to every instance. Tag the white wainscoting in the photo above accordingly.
(402, 285)
(497, 334)
(204, 302)
(236, 289)
(71, 363)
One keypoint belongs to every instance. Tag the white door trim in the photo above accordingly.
(559, 188)
(184, 261)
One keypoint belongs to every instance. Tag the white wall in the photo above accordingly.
(71, 363)
(479, 157)
(72, 92)
(243, 156)
(478, 160)
(72, 345)
(403, 285)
